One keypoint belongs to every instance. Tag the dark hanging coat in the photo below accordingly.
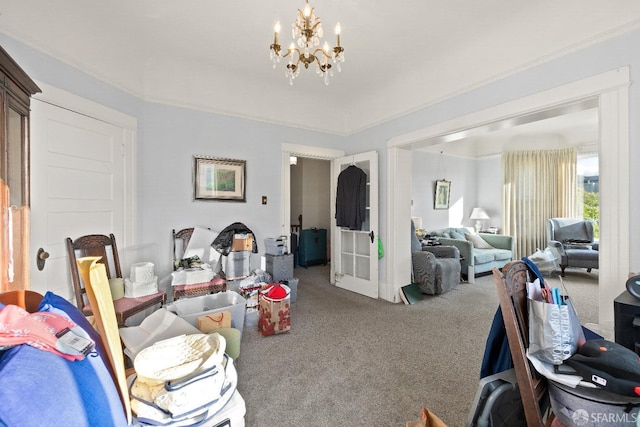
(351, 198)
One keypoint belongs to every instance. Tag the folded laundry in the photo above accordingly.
(45, 331)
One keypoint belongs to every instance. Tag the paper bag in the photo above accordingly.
(555, 332)
(214, 321)
(275, 313)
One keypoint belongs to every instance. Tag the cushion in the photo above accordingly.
(40, 388)
(478, 241)
(502, 254)
(483, 256)
(570, 230)
(455, 234)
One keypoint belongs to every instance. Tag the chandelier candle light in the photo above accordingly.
(307, 31)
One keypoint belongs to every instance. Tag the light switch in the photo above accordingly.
(264, 200)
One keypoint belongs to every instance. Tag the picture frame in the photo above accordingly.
(442, 194)
(219, 179)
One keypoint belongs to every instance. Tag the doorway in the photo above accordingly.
(310, 196)
(314, 158)
(611, 90)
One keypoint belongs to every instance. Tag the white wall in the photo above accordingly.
(316, 203)
(172, 136)
(462, 172)
(489, 189)
(169, 137)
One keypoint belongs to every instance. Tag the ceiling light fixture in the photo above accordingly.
(307, 29)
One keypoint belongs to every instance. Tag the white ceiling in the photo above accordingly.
(400, 55)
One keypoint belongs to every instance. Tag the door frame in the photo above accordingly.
(129, 124)
(612, 90)
(304, 151)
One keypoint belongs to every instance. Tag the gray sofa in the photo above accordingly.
(476, 259)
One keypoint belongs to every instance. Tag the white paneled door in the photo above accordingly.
(355, 255)
(77, 170)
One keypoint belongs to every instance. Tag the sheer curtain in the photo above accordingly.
(536, 185)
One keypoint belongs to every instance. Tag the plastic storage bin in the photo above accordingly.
(191, 308)
(274, 246)
(293, 285)
(237, 265)
(280, 267)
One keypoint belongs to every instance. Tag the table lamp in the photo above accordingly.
(479, 214)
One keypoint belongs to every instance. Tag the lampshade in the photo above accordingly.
(479, 213)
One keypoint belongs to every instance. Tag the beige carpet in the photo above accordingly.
(353, 361)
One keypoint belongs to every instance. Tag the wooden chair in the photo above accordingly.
(295, 228)
(28, 300)
(511, 285)
(180, 241)
(105, 247)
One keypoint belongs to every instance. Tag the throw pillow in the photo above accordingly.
(455, 234)
(478, 242)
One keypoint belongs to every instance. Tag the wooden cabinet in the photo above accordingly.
(16, 89)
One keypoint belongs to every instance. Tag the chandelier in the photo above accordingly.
(307, 31)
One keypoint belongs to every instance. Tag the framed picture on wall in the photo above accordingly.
(219, 179)
(442, 193)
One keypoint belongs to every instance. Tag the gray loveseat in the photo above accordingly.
(477, 258)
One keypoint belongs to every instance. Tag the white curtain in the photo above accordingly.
(536, 185)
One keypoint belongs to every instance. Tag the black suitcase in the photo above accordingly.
(312, 247)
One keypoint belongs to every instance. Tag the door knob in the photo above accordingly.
(42, 256)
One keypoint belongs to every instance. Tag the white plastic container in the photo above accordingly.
(191, 308)
(293, 285)
(252, 317)
(274, 246)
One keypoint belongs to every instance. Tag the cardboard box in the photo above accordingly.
(242, 242)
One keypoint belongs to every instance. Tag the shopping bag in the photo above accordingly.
(211, 322)
(275, 312)
(555, 333)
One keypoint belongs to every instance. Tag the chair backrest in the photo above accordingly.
(182, 236)
(511, 286)
(561, 229)
(92, 245)
(295, 228)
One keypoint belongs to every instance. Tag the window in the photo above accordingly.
(588, 195)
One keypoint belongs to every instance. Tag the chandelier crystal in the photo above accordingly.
(307, 31)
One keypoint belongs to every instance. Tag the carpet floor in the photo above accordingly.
(350, 360)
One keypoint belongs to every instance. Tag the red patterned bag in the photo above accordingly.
(275, 313)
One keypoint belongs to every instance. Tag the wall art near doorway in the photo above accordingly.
(219, 179)
(441, 196)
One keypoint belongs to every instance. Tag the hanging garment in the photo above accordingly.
(351, 198)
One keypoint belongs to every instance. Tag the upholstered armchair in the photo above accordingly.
(573, 240)
(436, 269)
